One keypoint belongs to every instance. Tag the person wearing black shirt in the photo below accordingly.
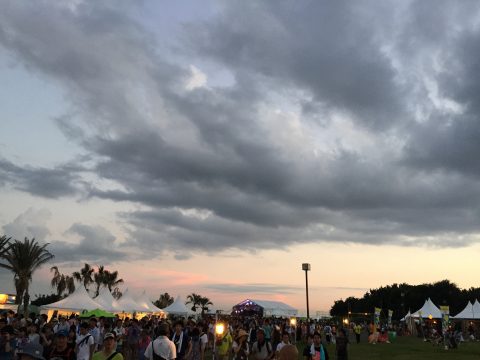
(60, 349)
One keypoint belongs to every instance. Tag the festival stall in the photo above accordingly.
(264, 308)
(128, 307)
(74, 303)
(147, 306)
(428, 311)
(177, 308)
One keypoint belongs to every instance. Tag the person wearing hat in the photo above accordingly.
(109, 350)
(31, 351)
(162, 347)
(60, 349)
(240, 346)
(85, 343)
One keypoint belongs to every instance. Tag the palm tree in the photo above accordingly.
(116, 293)
(204, 302)
(163, 301)
(23, 258)
(112, 280)
(84, 275)
(62, 282)
(193, 299)
(4, 245)
(99, 278)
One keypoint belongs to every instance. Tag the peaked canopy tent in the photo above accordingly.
(76, 302)
(471, 312)
(264, 308)
(148, 306)
(177, 308)
(106, 300)
(127, 304)
(429, 311)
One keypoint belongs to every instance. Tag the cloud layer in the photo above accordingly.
(264, 125)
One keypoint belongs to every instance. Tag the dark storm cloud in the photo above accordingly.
(44, 182)
(218, 167)
(96, 244)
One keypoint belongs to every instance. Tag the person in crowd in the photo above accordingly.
(132, 337)
(72, 337)
(119, 331)
(61, 325)
(31, 351)
(85, 343)
(162, 347)
(327, 330)
(224, 344)
(306, 350)
(317, 350)
(262, 349)
(182, 342)
(109, 349)
(252, 333)
(7, 342)
(143, 343)
(240, 346)
(60, 349)
(341, 345)
(358, 331)
(93, 330)
(285, 341)
(33, 335)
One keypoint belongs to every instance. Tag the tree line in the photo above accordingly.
(404, 297)
(23, 258)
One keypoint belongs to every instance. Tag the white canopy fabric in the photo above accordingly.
(409, 314)
(471, 312)
(428, 310)
(177, 308)
(77, 301)
(127, 304)
(147, 305)
(106, 300)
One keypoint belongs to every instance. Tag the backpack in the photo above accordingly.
(84, 340)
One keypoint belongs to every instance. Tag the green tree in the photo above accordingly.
(204, 302)
(163, 301)
(22, 259)
(62, 282)
(111, 280)
(85, 275)
(194, 300)
(4, 245)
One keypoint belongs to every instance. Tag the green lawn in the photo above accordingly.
(410, 348)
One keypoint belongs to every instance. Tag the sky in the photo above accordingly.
(213, 147)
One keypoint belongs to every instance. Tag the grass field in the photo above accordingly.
(404, 348)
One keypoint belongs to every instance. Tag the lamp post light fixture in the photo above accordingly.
(293, 323)
(306, 267)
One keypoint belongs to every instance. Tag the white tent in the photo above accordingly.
(147, 305)
(270, 308)
(76, 302)
(128, 305)
(177, 308)
(107, 301)
(471, 312)
(428, 310)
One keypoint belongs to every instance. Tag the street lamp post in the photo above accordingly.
(306, 267)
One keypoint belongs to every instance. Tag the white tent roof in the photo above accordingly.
(409, 314)
(274, 308)
(107, 301)
(471, 311)
(127, 304)
(147, 304)
(428, 309)
(177, 308)
(77, 301)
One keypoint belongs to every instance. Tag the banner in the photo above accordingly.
(390, 314)
(376, 319)
(445, 317)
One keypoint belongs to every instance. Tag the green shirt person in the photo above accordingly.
(109, 349)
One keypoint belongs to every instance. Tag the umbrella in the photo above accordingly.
(97, 313)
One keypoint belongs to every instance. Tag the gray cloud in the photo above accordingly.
(95, 245)
(344, 122)
(31, 224)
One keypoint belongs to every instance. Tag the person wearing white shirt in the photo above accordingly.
(85, 344)
(162, 346)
